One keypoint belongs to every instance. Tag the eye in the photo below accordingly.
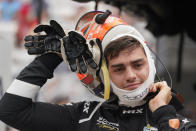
(118, 69)
(138, 65)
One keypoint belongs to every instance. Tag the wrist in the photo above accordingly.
(50, 60)
(154, 105)
(40, 69)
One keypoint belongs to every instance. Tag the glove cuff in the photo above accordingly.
(50, 60)
(39, 70)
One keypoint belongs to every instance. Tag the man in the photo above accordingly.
(131, 74)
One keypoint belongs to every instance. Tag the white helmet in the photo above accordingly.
(97, 81)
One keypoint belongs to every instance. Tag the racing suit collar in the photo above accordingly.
(113, 104)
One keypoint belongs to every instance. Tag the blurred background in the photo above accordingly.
(167, 28)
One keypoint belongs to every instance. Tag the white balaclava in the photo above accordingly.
(134, 97)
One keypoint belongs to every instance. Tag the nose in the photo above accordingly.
(130, 75)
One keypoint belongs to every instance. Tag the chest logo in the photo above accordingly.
(86, 107)
(136, 111)
(103, 123)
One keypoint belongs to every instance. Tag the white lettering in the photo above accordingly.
(137, 111)
(130, 98)
(86, 107)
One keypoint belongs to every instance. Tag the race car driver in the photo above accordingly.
(124, 61)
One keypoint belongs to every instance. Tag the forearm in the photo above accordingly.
(23, 114)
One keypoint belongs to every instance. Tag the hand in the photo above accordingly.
(76, 50)
(162, 98)
(40, 44)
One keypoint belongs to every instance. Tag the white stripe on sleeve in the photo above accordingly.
(22, 88)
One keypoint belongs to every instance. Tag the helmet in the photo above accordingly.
(106, 28)
(95, 25)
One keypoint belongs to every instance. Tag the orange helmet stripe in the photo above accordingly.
(99, 30)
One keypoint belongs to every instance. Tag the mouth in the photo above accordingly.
(132, 86)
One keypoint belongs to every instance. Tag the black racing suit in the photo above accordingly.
(22, 113)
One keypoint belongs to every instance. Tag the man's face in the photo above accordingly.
(130, 69)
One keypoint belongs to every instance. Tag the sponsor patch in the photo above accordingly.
(174, 123)
(136, 111)
(103, 123)
(131, 98)
(86, 107)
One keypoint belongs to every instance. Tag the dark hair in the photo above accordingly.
(115, 47)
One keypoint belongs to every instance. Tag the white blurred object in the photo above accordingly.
(149, 37)
(25, 1)
(7, 39)
(12, 59)
(2, 126)
(20, 59)
(65, 85)
(66, 12)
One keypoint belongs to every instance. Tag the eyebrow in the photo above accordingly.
(132, 62)
(138, 60)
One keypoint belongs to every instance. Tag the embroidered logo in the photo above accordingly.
(136, 111)
(185, 121)
(103, 123)
(130, 98)
(86, 107)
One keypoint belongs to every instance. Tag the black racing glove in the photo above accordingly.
(77, 52)
(41, 44)
(74, 44)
